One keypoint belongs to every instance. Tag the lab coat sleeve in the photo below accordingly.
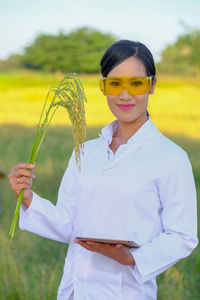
(177, 194)
(53, 221)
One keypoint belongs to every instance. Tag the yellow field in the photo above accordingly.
(174, 108)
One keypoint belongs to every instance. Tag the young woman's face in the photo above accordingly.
(130, 67)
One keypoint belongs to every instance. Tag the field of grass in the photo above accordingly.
(174, 107)
(31, 266)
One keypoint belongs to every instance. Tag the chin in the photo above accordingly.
(127, 120)
(131, 119)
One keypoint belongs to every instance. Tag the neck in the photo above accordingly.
(126, 130)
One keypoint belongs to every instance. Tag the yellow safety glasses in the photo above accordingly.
(133, 85)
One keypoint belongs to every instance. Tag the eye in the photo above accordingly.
(114, 83)
(136, 83)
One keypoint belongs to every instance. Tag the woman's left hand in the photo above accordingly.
(117, 252)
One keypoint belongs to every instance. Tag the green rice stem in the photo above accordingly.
(71, 95)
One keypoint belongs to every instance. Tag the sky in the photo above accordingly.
(156, 23)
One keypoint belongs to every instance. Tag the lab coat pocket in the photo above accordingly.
(103, 286)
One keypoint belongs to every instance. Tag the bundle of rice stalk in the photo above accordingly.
(70, 95)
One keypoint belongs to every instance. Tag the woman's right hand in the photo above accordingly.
(21, 178)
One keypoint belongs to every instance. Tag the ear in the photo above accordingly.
(153, 86)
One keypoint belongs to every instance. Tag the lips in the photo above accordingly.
(126, 106)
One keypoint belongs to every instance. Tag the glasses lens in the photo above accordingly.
(113, 86)
(139, 86)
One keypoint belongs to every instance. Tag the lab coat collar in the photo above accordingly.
(144, 133)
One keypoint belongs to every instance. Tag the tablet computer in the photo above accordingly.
(110, 241)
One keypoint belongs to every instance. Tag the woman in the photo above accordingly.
(135, 184)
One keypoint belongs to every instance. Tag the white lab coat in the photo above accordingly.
(145, 192)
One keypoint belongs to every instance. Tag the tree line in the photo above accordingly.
(182, 57)
(81, 50)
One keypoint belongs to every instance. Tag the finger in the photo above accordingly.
(85, 245)
(17, 185)
(14, 181)
(23, 166)
(101, 245)
(92, 243)
(24, 180)
(22, 172)
(119, 246)
(25, 186)
(103, 248)
(19, 173)
(11, 174)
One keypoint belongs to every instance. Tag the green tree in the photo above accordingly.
(78, 51)
(182, 57)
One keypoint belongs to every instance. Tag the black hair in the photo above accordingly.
(123, 49)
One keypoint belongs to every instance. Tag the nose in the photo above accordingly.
(125, 95)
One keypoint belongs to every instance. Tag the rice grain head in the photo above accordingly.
(72, 96)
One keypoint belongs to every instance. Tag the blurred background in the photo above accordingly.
(43, 40)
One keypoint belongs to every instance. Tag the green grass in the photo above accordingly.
(31, 266)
